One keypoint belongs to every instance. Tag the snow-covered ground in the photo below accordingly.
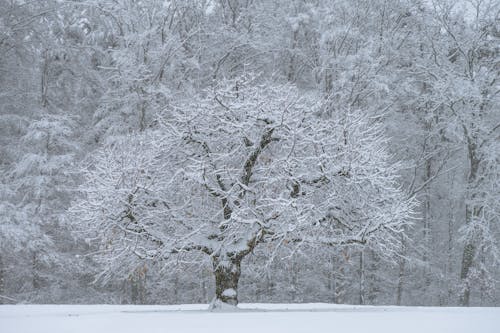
(287, 318)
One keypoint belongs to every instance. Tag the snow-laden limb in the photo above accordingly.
(241, 165)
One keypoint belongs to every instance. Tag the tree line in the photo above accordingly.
(168, 151)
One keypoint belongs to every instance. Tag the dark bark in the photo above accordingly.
(227, 273)
(467, 261)
(36, 283)
(401, 276)
(291, 66)
(44, 86)
(265, 140)
(470, 213)
(2, 276)
(427, 220)
(361, 278)
(227, 266)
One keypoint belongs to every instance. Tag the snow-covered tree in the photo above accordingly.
(244, 164)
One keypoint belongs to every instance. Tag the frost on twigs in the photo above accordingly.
(244, 164)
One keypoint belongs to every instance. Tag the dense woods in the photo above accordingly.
(342, 151)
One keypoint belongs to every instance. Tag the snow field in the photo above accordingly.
(254, 318)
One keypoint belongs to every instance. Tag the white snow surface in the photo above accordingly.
(289, 318)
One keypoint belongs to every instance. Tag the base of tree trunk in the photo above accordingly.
(218, 305)
(227, 274)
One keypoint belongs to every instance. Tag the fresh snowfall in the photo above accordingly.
(250, 165)
(251, 318)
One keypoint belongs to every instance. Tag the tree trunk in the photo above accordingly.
(291, 66)
(44, 81)
(399, 292)
(467, 260)
(34, 271)
(138, 287)
(294, 280)
(340, 290)
(331, 281)
(427, 227)
(2, 285)
(470, 213)
(227, 275)
(449, 271)
(361, 278)
(176, 288)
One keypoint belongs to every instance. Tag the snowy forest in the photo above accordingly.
(225, 151)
